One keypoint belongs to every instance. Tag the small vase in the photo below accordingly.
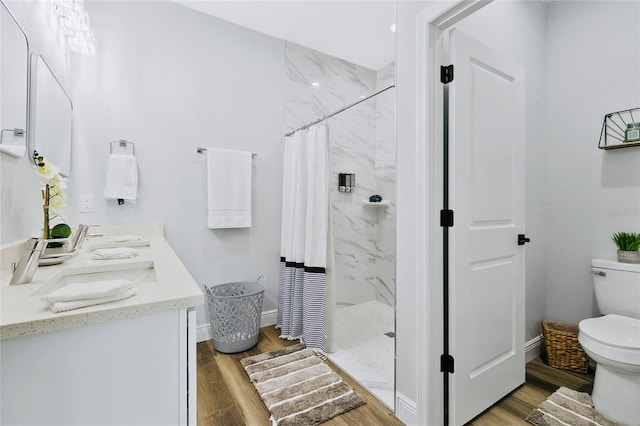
(628, 256)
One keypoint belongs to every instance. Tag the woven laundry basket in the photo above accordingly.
(562, 346)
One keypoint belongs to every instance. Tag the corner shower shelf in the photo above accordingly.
(383, 203)
(613, 128)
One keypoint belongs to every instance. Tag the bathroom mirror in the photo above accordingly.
(14, 77)
(51, 114)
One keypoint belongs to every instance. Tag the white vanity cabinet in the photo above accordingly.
(128, 362)
(134, 371)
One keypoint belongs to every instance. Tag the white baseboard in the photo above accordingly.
(532, 348)
(406, 410)
(203, 331)
(269, 318)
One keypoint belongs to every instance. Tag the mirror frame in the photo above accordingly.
(27, 129)
(33, 146)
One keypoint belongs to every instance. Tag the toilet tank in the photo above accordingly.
(617, 287)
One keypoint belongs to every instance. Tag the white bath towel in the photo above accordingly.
(122, 178)
(76, 304)
(114, 253)
(228, 188)
(84, 291)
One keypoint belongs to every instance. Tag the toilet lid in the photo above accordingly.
(613, 330)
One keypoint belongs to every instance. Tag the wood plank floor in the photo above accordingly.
(541, 381)
(226, 397)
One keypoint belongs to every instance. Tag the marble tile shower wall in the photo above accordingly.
(385, 169)
(352, 137)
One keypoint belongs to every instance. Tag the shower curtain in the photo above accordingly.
(302, 294)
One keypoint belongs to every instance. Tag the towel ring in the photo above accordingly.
(122, 143)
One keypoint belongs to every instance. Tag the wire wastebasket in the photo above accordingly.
(234, 311)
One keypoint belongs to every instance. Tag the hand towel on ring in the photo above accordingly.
(122, 178)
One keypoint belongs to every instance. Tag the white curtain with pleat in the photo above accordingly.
(302, 294)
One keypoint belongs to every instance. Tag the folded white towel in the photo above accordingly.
(67, 306)
(228, 188)
(85, 291)
(122, 178)
(115, 253)
(13, 150)
(123, 238)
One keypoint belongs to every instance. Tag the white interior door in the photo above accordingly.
(486, 264)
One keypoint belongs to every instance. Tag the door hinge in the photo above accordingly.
(446, 218)
(446, 74)
(446, 363)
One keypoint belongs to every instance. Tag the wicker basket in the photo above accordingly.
(562, 346)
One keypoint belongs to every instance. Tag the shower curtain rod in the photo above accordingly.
(306, 126)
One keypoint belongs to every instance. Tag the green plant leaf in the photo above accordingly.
(626, 241)
(61, 230)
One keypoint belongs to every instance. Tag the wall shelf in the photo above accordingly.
(619, 145)
(612, 135)
(383, 203)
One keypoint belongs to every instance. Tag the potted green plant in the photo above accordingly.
(628, 244)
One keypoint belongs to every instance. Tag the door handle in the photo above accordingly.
(522, 239)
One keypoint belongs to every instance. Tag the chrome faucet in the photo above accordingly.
(78, 238)
(26, 267)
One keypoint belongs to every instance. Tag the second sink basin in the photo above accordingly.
(114, 244)
(137, 272)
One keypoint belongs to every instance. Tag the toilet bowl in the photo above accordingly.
(613, 341)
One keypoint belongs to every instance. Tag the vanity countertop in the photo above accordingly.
(22, 312)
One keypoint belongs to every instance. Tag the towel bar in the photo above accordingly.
(202, 150)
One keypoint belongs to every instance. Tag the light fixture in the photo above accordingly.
(393, 28)
(315, 84)
(74, 23)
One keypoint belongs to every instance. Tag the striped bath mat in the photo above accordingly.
(568, 407)
(298, 388)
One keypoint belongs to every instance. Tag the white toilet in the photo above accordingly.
(613, 340)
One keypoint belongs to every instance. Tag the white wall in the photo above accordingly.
(593, 67)
(171, 79)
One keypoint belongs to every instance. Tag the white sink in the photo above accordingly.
(137, 272)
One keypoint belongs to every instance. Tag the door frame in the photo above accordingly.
(429, 270)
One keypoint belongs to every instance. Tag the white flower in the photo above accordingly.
(57, 182)
(56, 191)
(50, 175)
(57, 205)
(47, 171)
